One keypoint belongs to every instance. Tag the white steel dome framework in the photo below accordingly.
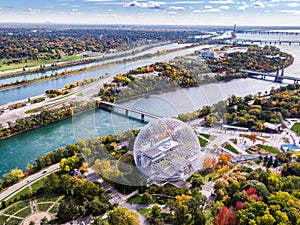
(167, 150)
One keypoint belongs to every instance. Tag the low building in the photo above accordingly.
(273, 127)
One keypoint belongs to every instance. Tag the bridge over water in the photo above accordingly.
(128, 109)
(260, 41)
(278, 78)
(294, 33)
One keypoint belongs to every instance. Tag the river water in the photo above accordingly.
(24, 148)
(39, 88)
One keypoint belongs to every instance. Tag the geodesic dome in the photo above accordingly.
(167, 150)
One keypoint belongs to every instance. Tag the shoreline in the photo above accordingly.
(69, 63)
(74, 72)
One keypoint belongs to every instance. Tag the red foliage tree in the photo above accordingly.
(252, 194)
(225, 217)
(240, 205)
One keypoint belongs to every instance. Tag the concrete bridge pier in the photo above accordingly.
(142, 117)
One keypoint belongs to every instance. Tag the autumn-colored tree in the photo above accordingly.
(224, 158)
(209, 162)
(253, 137)
(225, 217)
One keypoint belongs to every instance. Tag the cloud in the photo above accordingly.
(293, 4)
(258, 4)
(186, 2)
(294, 12)
(150, 4)
(206, 10)
(74, 10)
(224, 7)
(211, 10)
(176, 8)
(243, 7)
(275, 1)
(207, 7)
(222, 2)
(173, 13)
(33, 11)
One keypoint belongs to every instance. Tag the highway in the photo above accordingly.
(27, 181)
(79, 93)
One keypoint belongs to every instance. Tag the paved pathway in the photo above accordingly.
(26, 182)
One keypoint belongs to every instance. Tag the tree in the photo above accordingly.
(17, 173)
(67, 164)
(182, 215)
(199, 218)
(51, 183)
(155, 216)
(253, 137)
(266, 219)
(44, 221)
(224, 158)
(31, 223)
(122, 216)
(147, 198)
(68, 211)
(225, 217)
(209, 162)
(98, 221)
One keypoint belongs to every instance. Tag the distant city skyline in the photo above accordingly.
(163, 12)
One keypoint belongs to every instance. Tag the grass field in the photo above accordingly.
(14, 66)
(37, 185)
(230, 148)
(145, 212)
(18, 195)
(269, 149)
(136, 199)
(202, 141)
(296, 128)
(207, 136)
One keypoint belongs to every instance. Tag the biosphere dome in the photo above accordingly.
(167, 150)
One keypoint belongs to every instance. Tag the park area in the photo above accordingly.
(296, 128)
(35, 210)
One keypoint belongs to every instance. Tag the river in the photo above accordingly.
(24, 148)
(39, 88)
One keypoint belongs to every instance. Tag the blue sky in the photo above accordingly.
(181, 12)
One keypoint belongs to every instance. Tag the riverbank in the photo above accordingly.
(64, 64)
(94, 67)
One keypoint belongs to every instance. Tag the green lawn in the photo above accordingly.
(211, 176)
(44, 206)
(296, 128)
(18, 195)
(136, 199)
(230, 148)
(24, 212)
(15, 208)
(145, 212)
(37, 185)
(202, 141)
(13, 66)
(249, 151)
(269, 149)
(207, 136)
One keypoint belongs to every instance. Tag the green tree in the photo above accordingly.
(147, 198)
(155, 216)
(67, 164)
(266, 219)
(122, 216)
(182, 215)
